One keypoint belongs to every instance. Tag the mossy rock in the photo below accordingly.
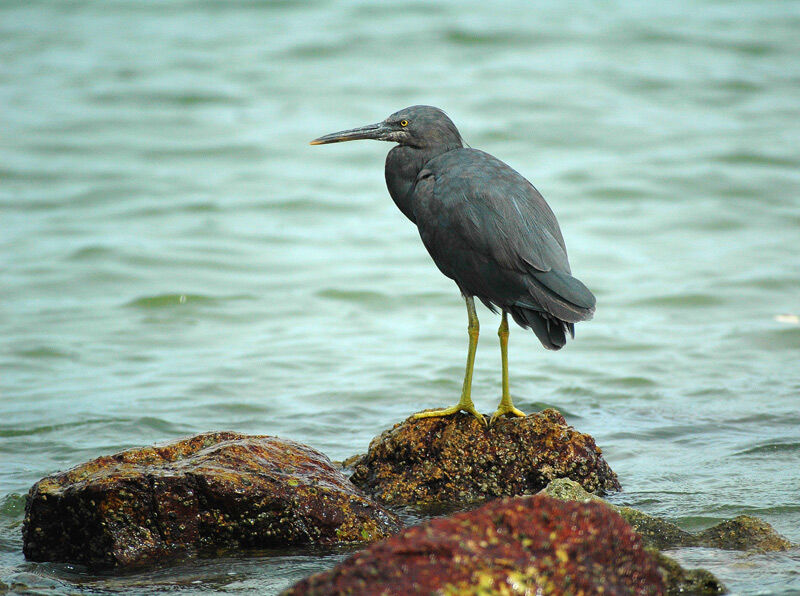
(741, 533)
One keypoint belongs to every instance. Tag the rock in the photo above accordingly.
(454, 459)
(523, 545)
(742, 533)
(682, 582)
(657, 533)
(215, 490)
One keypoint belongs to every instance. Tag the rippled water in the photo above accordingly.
(176, 258)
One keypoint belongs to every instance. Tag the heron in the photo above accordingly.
(487, 228)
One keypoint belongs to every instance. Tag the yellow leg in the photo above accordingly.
(506, 407)
(465, 403)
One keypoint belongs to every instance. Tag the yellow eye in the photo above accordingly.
(404, 123)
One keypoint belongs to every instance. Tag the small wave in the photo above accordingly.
(90, 252)
(322, 50)
(632, 382)
(231, 407)
(356, 296)
(680, 300)
(12, 506)
(771, 448)
(305, 205)
(28, 176)
(157, 424)
(237, 150)
(46, 353)
(15, 431)
(381, 9)
(740, 85)
(753, 158)
(177, 300)
(717, 224)
(169, 300)
(748, 47)
(461, 36)
(618, 193)
(172, 98)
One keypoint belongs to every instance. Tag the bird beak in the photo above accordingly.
(372, 131)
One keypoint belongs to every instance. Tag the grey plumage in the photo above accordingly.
(490, 230)
(486, 227)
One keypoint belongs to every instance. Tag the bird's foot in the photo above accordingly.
(469, 408)
(505, 409)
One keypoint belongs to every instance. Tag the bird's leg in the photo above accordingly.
(505, 407)
(465, 403)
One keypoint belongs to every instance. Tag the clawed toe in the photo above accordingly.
(506, 411)
(450, 411)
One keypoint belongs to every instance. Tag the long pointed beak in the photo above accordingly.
(371, 131)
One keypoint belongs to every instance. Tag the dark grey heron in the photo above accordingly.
(487, 228)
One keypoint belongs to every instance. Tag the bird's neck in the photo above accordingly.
(402, 166)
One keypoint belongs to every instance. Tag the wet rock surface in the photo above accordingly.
(455, 459)
(687, 582)
(215, 490)
(510, 546)
(741, 533)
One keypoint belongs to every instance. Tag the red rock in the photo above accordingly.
(526, 545)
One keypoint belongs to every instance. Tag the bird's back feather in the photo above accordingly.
(490, 230)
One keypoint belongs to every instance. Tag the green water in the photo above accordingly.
(175, 258)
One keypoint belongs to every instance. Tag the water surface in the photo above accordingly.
(177, 259)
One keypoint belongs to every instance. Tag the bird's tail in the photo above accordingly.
(561, 295)
(552, 332)
(558, 301)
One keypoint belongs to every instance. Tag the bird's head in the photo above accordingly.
(418, 126)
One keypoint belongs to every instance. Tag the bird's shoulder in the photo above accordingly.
(477, 178)
(473, 195)
(469, 161)
(475, 170)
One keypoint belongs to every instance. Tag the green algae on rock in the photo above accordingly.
(455, 459)
(215, 490)
(741, 533)
(687, 582)
(657, 533)
(523, 545)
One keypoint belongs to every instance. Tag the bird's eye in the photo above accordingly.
(404, 123)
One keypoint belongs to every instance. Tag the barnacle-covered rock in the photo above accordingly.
(455, 459)
(524, 545)
(215, 490)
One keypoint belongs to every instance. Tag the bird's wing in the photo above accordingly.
(490, 216)
(509, 226)
(498, 212)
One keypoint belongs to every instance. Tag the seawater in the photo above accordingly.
(176, 258)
